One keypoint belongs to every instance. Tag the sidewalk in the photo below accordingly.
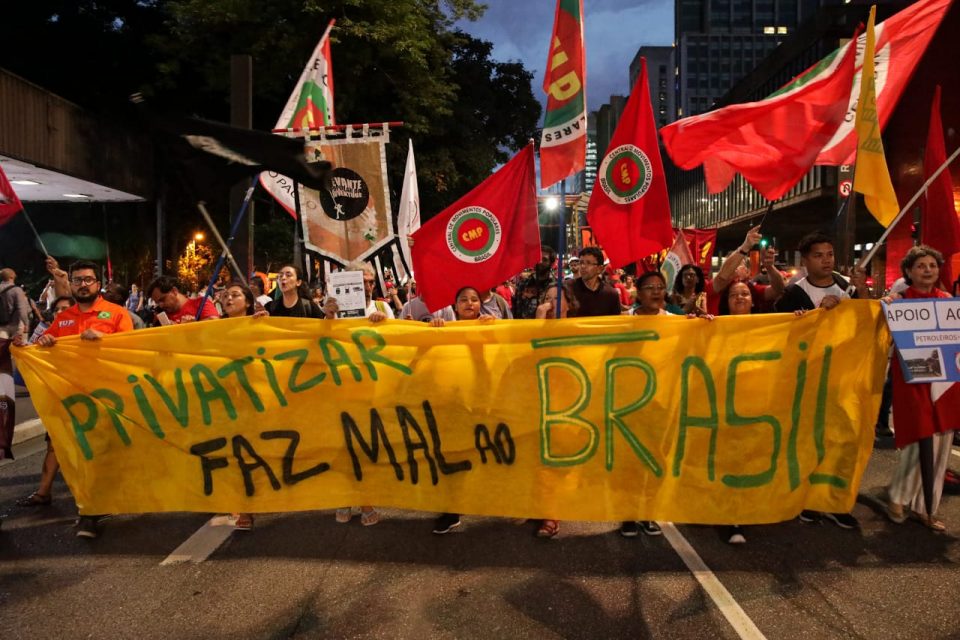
(27, 430)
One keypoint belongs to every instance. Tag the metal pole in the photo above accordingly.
(561, 245)
(297, 257)
(876, 247)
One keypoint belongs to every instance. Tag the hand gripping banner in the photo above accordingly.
(739, 420)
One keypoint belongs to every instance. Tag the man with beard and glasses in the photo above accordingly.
(91, 318)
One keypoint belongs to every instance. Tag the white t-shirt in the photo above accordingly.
(817, 294)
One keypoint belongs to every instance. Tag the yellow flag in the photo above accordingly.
(872, 177)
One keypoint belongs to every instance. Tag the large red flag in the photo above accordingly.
(9, 202)
(483, 238)
(629, 210)
(939, 225)
(771, 143)
(563, 143)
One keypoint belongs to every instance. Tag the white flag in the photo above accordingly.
(408, 218)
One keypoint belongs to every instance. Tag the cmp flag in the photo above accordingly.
(483, 238)
(310, 106)
(872, 178)
(563, 145)
(629, 210)
(9, 202)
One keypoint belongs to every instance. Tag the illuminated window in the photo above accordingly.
(781, 30)
(769, 30)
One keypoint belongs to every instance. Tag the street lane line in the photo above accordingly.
(732, 611)
(203, 542)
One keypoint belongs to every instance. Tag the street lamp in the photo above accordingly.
(551, 203)
(198, 236)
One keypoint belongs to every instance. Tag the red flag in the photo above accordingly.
(901, 41)
(9, 202)
(773, 142)
(483, 238)
(702, 243)
(563, 143)
(629, 210)
(939, 225)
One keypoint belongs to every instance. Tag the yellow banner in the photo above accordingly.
(740, 420)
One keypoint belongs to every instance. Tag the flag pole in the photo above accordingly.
(886, 232)
(297, 255)
(225, 253)
(202, 206)
(561, 246)
(34, 229)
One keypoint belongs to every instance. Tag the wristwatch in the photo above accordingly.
(743, 253)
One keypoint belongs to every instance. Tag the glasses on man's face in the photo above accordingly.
(653, 287)
(86, 280)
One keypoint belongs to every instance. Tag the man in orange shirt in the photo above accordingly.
(91, 318)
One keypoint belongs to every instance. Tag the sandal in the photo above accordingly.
(34, 500)
(896, 513)
(243, 522)
(369, 518)
(548, 529)
(933, 523)
(344, 515)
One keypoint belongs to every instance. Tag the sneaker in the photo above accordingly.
(651, 528)
(629, 529)
(446, 523)
(843, 520)
(735, 535)
(87, 527)
(809, 516)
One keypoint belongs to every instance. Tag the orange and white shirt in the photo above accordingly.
(102, 316)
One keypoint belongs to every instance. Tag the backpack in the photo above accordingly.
(7, 305)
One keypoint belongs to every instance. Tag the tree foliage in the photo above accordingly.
(393, 60)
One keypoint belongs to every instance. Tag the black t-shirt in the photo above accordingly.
(605, 301)
(302, 309)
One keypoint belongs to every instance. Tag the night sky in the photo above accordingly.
(614, 30)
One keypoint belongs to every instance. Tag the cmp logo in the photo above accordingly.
(473, 234)
(625, 174)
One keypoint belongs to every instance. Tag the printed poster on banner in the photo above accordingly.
(352, 219)
(347, 288)
(927, 335)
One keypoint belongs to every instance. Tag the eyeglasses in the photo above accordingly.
(82, 281)
(653, 287)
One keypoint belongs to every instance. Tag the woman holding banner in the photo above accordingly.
(468, 305)
(238, 302)
(295, 301)
(923, 430)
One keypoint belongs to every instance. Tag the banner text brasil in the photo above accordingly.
(740, 420)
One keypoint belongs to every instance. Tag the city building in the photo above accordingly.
(815, 202)
(661, 76)
(718, 42)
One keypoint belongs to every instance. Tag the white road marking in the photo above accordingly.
(203, 542)
(732, 611)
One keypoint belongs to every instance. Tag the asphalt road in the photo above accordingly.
(302, 575)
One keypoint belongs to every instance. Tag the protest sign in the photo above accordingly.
(347, 288)
(739, 420)
(927, 335)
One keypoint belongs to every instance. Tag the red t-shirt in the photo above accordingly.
(102, 316)
(190, 307)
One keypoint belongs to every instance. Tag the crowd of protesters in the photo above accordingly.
(78, 303)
